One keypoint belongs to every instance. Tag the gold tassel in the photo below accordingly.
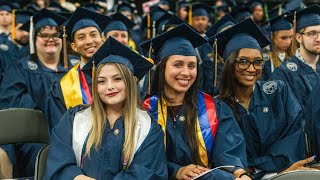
(13, 25)
(149, 72)
(65, 54)
(190, 15)
(280, 10)
(93, 71)
(294, 46)
(148, 26)
(215, 63)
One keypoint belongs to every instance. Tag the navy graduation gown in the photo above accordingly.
(272, 127)
(29, 84)
(106, 162)
(228, 148)
(300, 77)
(312, 127)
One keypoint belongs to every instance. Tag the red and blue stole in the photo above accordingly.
(75, 88)
(206, 127)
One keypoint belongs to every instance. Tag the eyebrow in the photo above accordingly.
(111, 76)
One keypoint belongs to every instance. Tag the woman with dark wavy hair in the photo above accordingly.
(200, 132)
(267, 111)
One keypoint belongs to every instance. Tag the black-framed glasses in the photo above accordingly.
(311, 34)
(46, 37)
(244, 63)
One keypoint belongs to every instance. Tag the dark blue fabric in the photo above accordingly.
(106, 162)
(228, 148)
(313, 122)
(272, 127)
(301, 81)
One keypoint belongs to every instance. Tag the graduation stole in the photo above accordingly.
(75, 88)
(207, 123)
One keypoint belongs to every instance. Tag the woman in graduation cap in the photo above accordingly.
(267, 112)
(33, 82)
(112, 138)
(200, 132)
(281, 33)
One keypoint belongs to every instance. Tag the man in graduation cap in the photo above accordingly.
(33, 82)
(85, 37)
(13, 47)
(5, 17)
(301, 71)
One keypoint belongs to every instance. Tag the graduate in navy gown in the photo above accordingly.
(200, 132)
(33, 82)
(301, 72)
(84, 32)
(112, 138)
(267, 111)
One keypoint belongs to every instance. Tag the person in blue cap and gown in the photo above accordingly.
(5, 20)
(111, 138)
(301, 72)
(84, 32)
(33, 82)
(200, 132)
(280, 33)
(268, 113)
(15, 45)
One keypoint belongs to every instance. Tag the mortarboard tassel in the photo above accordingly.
(148, 26)
(215, 63)
(280, 10)
(13, 25)
(190, 16)
(149, 72)
(65, 55)
(270, 47)
(265, 8)
(294, 42)
(154, 29)
(93, 71)
(31, 36)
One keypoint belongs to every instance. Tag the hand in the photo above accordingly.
(190, 171)
(299, 165)
(83, 177)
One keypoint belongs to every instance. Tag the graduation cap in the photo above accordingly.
(162, 21)
(182, 4)
(226, 21)
(241, 13)
(43, 18)
(118, 22)
(21, 17)
(6, 6)
(180, 40)
(172, 22)
(200, 9)
(125, 7)
(112, 51)
(83, 18)
(245, 34)
(92, 6)
(294, 5)
(32, 7)
(307, 17)
(277, 11)
(279, 23)
(56, 7)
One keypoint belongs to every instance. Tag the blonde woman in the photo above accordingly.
(112, 138)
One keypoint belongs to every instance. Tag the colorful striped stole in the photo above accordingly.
(75, 88)
(206, 127)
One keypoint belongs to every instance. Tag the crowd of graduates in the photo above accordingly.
(167, 94)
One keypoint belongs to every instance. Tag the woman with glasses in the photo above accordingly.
(33, 82)
(267, 112)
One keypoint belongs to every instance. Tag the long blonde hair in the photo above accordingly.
(129, 111)
(274, 54)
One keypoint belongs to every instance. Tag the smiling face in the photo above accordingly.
(111, 86)
(180, 73)
(48, 41)
(249, 76)
(86, 42)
